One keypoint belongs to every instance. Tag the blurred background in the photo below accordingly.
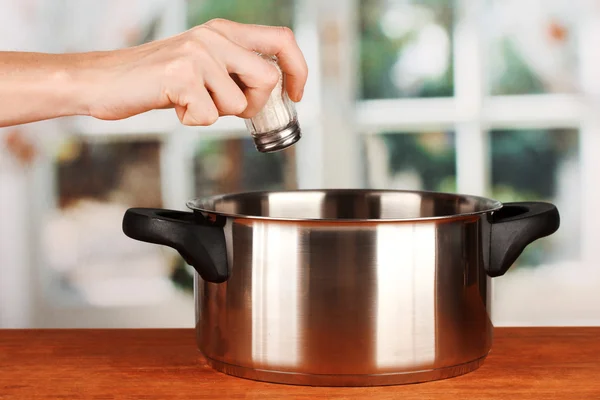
(499, 98)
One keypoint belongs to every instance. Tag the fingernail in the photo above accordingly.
(300, 95)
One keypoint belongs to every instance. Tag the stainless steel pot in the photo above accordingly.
(345, 287)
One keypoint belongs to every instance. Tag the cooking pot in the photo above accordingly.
(345, 287)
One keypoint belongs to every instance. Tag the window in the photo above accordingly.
(406, 48)
(540, 165)
(494, 98)
(508, 89)
(95, 184)
(533, 47)
(90, 273)
(264, 12)
(224, 159)
(233, 165)
(409, 160)
(228, 162)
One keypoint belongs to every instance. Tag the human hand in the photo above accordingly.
(208, 71)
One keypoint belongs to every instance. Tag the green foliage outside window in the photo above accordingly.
(263, 12)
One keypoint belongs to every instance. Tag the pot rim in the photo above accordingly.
(201, 204)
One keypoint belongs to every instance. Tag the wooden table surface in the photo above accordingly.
(530, 363)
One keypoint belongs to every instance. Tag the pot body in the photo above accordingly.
(348, 303)
(345, 287)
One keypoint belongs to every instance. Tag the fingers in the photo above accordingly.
(254, 75)
(226, 94)
(256, 97)
(277, 41)
(219, 73)
(197, 108)
(201, 90)
(250, 72)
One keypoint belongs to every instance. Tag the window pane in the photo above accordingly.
(532, 47)
(104, 25)
(123, 172)
(541, 165)
(95, 184)
(234, 165)
(406, 48)
(418, 161)
(265, 12)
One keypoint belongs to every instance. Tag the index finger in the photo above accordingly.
(271, 40)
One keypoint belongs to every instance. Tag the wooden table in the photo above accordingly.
(531, 363)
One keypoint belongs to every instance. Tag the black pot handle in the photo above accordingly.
(515, 226)
(200, 244)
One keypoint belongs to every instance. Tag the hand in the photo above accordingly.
(208, 71)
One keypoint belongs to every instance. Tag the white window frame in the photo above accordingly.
(177, 156)
(335, 123)
(160, 124)
(471, 113)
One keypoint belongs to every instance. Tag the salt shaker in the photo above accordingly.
(276, 126)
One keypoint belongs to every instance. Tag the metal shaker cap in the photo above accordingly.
(279, 139)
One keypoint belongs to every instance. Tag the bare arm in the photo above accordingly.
(206, 72)
(35, 86)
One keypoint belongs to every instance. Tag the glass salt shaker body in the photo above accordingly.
(276, 126)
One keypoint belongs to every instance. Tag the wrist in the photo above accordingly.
(80, 80)
(67, 87)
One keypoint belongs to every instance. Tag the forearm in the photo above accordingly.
(37, 86)
(192, 72)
